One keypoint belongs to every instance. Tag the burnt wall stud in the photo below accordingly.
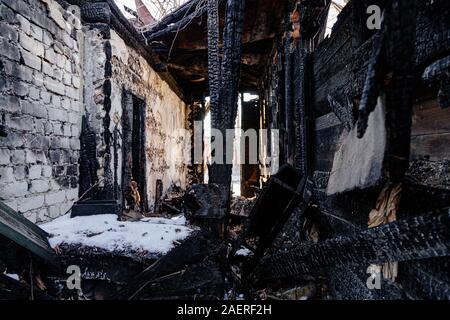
(230, 74)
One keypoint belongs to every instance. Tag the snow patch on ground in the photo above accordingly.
(155, 235)
(244, 252)
(177, 220)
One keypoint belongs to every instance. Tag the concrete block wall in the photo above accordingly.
(41, 104)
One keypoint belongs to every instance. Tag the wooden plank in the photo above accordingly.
(23, 220)
(434, 147)
(27, 235)
(327, 121)
(325, 145)
(430, 118)
(416, 238)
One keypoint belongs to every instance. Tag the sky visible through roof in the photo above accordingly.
(151, 5)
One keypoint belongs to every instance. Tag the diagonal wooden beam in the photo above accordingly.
(416, 238)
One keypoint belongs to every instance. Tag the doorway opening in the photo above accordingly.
(245, 174)
(134, 184)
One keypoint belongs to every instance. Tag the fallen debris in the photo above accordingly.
(206, 205)
(198, 248)
(401, 240)
(268, 215)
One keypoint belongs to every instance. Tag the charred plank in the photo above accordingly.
(410, 239)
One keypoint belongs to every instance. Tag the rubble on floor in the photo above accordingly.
(241, 206)
(194, 268)
(152, 237)
(302, 292)
(167, 258)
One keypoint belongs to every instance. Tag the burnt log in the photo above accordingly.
(204, 279)
(196, 249)
(286, 191)
(213, 60)
(417, 238)
(207, 206)
(220, 173)
(373, 81)
(400, 49)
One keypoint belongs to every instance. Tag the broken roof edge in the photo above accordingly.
(95, 11)
(176, 14)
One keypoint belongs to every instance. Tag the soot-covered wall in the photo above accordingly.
(118, 69)
(312, 90)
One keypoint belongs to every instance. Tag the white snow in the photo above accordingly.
(243, 252)
(12, 276)
(177, 220)
(153, 235)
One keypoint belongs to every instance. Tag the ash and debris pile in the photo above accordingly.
(199, 245)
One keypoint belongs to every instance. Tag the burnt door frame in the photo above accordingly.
(133, 146)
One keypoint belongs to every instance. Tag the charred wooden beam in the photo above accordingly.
(230, 75)
(197, 248)
(373, 81)
(88, 161)
(400, 49)
(427, 279)
(417, 238)
(199, 8)
(204, 279)
(341, 113)
(183, 11)
(288, 92)
(391, 69)
(268, 217)
(302, 113)
(213, 60)
(439, 73)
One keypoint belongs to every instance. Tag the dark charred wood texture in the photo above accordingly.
(229, 94)
(416, 238)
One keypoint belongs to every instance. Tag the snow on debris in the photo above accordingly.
(155, 235)
(177, 220)
(12, 276)
(244, 252)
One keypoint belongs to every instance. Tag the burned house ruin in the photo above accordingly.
(103, 107)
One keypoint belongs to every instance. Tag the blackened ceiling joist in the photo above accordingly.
(106, 12)
(184, 45)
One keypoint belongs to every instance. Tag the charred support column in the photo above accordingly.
(302, 74)
(288, 94)
(400, 47)
(225, 111)
(213, 59)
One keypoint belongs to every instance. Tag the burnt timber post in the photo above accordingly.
(224, 99)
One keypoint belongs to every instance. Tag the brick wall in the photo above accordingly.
(41, 102)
